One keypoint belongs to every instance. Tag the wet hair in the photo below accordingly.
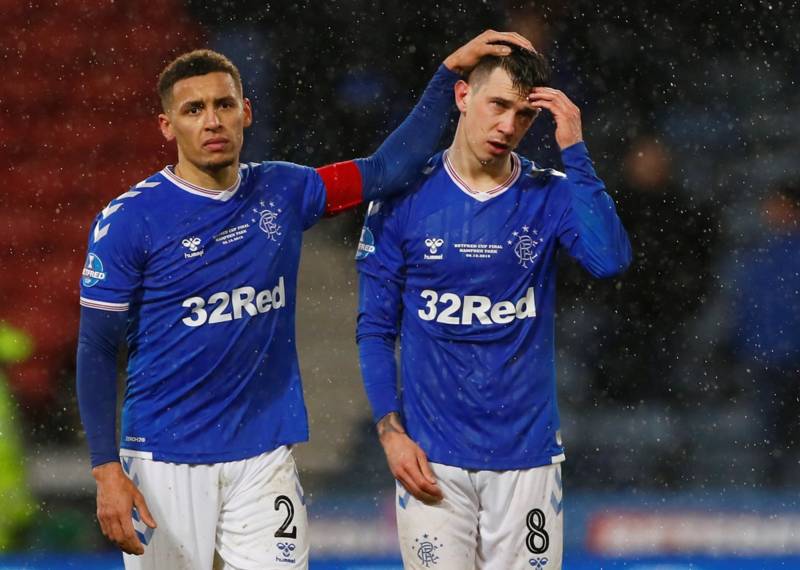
(191, 64)
(527, 69)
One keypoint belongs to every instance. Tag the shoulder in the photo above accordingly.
(138, 197)
(535, 175)
(278, 170)
(425, 184)
(125, 216)
(390, 206)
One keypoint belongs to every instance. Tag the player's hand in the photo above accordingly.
(407, 462)
(467, 56)
(116, 497)
(565, 112)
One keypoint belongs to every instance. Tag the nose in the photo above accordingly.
(506, 124)
(212, 120)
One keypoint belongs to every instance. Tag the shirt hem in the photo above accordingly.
(207, 458)
(498, 465)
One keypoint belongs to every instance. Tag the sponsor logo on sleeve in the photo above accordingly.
(93, 271)
(366, 245)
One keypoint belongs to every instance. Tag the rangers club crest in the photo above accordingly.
(267, 220)
(426, 549)
(524, 242)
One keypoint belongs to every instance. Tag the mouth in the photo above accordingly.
(217, 144)
(497, 147)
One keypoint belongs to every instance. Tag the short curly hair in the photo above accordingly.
(191, 64)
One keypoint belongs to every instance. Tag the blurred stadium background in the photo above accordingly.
(679, 382)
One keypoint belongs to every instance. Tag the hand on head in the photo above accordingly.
(488, 43)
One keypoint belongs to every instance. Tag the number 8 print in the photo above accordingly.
(536, 523)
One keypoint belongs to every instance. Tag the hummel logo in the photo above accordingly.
(191, 244)
(434, 244)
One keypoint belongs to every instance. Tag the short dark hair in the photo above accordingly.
(527, 69)
(191, 64)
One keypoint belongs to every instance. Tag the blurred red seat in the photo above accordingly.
(79, 129)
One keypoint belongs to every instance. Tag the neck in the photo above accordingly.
(213, 179)
(479, 174)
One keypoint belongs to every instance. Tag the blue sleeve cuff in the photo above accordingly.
(575, 152)
(379, 370)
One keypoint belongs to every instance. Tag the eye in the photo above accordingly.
(194, 109)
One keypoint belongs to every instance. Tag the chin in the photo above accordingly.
(220, 163)
(495, 157)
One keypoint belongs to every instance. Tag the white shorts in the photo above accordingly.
(238, 515)
(488, 520)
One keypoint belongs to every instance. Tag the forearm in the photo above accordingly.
(379, 300)
(601, 242)
(96, 379)
(401, 157)
(379, 372)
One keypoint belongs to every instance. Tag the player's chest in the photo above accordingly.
(238, 244)
(462, 241)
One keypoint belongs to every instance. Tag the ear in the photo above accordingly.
(248, 112)
(166, 127)
(462, 90)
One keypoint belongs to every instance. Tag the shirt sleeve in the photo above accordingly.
(313, 201)
(590, 228)
(115, 258)
(399, 161)
(100, 335)
(111, 275)
(381, 279)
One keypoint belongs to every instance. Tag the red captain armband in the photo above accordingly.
(342, 186)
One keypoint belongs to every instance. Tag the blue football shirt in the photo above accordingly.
(209, 282)
(468, 281)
